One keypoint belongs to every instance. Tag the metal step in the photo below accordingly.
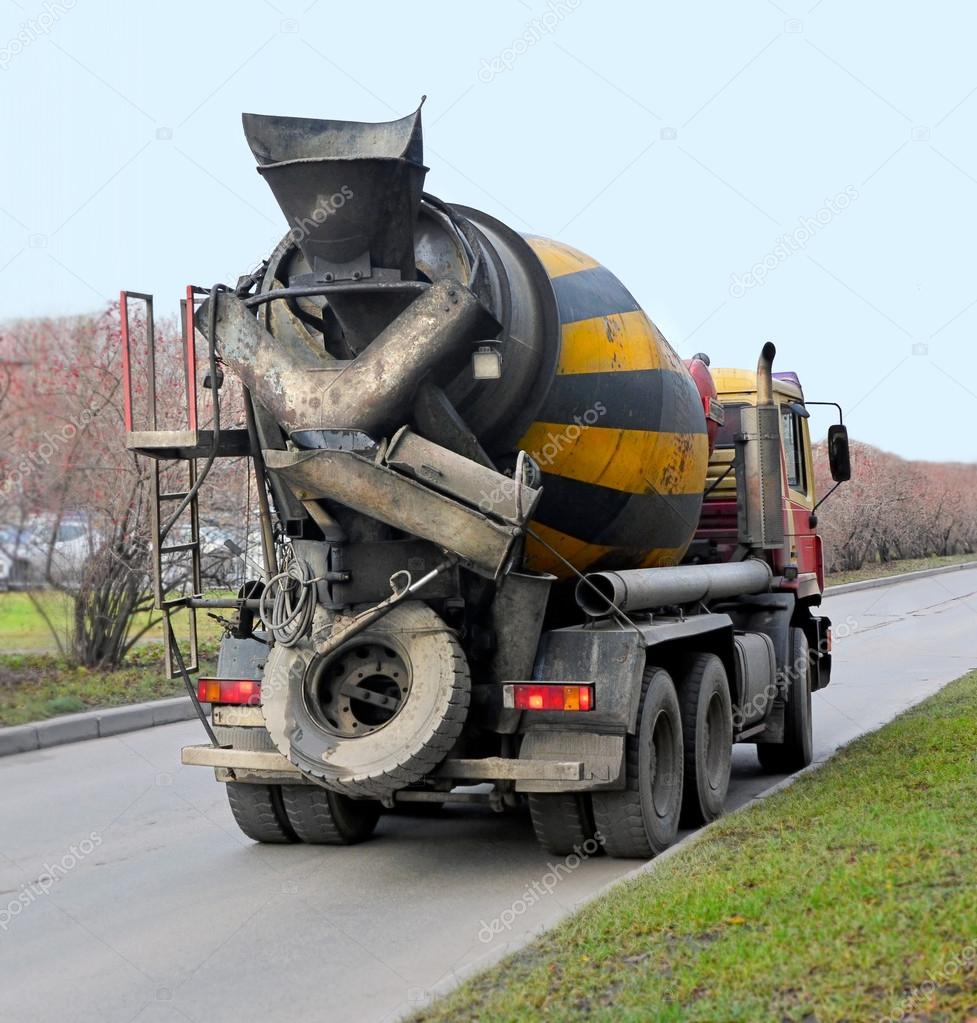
(184, 445)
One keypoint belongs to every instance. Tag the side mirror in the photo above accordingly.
(839, 456)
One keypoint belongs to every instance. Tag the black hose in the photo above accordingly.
(715, 483)
(181, 665)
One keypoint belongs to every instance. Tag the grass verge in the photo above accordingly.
(23, 628)
(849, 896)
(882, 570)
(38, 686)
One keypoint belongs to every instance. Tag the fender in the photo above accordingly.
(612, 657)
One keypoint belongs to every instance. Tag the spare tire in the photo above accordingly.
(378, 714)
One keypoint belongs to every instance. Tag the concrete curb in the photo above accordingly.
(95, 724)
(905, 577)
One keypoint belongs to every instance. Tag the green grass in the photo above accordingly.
(849, 896)
(38, 686)
(22, 625)
(40, 683)
(880, 570)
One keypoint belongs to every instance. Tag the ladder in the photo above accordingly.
(165, 448)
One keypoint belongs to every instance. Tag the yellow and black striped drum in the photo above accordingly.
(620, 435)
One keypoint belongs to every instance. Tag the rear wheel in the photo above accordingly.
(642, 820)
(259, 812)
(563, 822)
(797, 749)
(707, 737)
(377, 715)
(321, 817)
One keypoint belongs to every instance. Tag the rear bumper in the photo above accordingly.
(271, 767)
(255, 766)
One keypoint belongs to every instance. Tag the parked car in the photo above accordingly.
(228, 556)
(45, 549)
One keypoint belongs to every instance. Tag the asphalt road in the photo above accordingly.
(161, 911)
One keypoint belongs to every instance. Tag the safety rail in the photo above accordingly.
(165, 448)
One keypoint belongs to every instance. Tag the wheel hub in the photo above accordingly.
(663, 751)
(714, 739)
(358, 690)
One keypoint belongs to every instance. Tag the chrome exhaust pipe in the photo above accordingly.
(759, 476)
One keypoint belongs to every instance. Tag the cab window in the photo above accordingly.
(792, 431)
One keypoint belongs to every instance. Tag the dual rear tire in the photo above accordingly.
(677, 768)
(564, 822)
(707, 734)
(642, 820)
(282, 814)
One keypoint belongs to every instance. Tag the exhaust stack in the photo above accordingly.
(759, 490)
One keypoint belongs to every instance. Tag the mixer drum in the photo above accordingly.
(621, 433)
(589, 387)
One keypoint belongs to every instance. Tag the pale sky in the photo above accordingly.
(679, 143)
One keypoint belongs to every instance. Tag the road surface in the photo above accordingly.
(161, 911)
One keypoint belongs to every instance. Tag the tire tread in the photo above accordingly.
(259, 813)
(563, 821)
(316, 816)
(618, 815)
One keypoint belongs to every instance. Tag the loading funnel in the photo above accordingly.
(350, 191)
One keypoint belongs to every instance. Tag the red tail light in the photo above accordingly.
(242, 691)
(548, 696)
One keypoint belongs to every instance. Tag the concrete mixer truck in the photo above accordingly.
(515, 550)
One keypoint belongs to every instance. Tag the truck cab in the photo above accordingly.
(716, 537)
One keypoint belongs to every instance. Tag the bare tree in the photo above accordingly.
(66, 468)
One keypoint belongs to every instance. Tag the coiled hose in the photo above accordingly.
(289, 615)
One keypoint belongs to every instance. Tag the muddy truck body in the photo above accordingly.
(514, 549)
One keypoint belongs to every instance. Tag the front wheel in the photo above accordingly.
(797, 749)
(642, 820)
